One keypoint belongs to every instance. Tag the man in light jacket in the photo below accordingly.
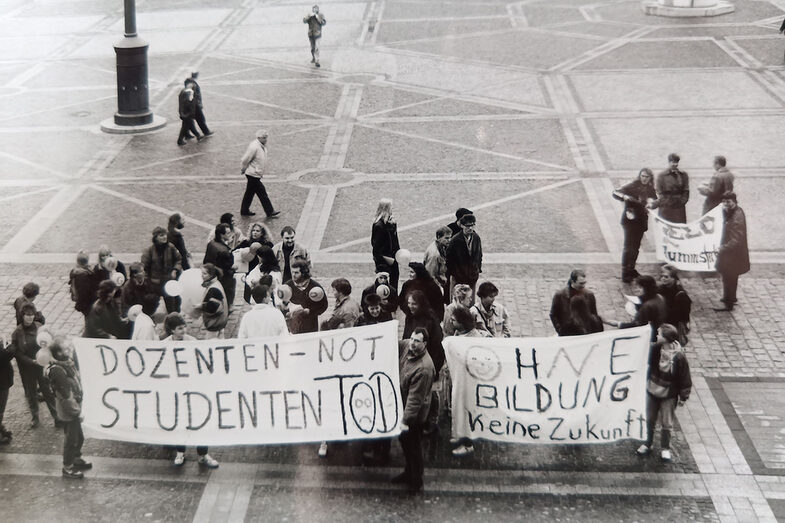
(253, 163)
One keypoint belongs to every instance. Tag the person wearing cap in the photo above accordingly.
(315, 21)
(733, 259)
(455, 226)
(673, 192)
(162, 262)
(187, 110)
(199, 107)
(464, 255)
(389, 301)
(253, 163)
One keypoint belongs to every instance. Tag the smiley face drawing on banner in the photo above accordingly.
(482, 363)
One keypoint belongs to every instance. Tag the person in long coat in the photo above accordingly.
(733, 259)
(384, 241)
(464, 255)
(673, 192)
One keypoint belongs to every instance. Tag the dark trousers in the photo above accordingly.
(200, 451)
(730, 282)
(33, 379)
(411, 443)
(72, 444)
(229, 284)
(3, 403)
(314, 46)
(633, 235)
(186, 126)
(255, 187)
(200, 120)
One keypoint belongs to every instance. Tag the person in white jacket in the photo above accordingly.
(264, 320)
(141, 316)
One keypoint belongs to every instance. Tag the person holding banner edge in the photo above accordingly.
(417, 375)
(733, 259)
(635, 219)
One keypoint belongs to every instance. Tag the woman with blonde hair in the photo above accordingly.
(384, 241)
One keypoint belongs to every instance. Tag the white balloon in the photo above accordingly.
(284, 292)
(403, 257)
(173, 288)
(383, 291)
(117, 278)
(316, 294)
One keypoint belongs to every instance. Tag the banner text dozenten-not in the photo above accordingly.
(581, 389)
(333, 385)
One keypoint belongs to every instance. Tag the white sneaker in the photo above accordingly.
(323, 450)
(462, 450)
(666, 455)
(179, 459)
(207, 461)
(643, 450)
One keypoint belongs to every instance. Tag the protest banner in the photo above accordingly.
(326, 386)
(690, 246)
(558, 390)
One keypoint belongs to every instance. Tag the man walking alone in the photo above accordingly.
(315, 21)
(253, 162)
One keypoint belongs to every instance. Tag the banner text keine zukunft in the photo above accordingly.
(332, 385)
(690, 246)
(560, 390)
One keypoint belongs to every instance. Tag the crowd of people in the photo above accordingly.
(440, 297)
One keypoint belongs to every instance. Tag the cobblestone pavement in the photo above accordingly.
(529, 113)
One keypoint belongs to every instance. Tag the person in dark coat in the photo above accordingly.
(634, 219)
(668, 382)
(105, 319)
(384, 241)
(103, 270)
(651, 310)
(187, 110)
(421, 315)
(136, 288)
(720, 183)
(80, 280)
(420, 279)
(673, 192)
(198, 104)
(678, 304)
(560, 305)
(162, 263)
(581, 321)
(464, 255)
(373, 312)
(309, 296)
(175, 237)
(6, 382)
(460, 213)
(733, 259)
(390, 301)
(219, 254)
(25, 347)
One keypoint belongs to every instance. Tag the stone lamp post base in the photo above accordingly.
(687, 8)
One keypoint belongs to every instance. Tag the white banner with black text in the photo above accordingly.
(559, 390)
(326, 386)
(690, 246)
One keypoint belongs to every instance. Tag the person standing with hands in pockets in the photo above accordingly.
(315, 21)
